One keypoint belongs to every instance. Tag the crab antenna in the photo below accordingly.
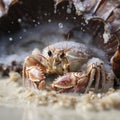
(73, 62)
(43, 57)
(66, 50)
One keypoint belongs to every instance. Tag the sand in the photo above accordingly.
(17, 102)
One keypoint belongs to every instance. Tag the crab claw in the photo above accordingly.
(70, 82)
(36, 77)
(65, 81)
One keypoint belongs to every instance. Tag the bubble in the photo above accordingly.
(34, 21)
(45, 14)
(63, 7)
(24, 30)
(9, 31)
(49, 20)
(74, 18)
(68, 10)
(35, 25)
(60, 25)
(10, 39)
(38, 23)
(66, 18)
(20, 37)
(19, 20)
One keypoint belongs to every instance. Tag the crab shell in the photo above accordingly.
(76, 54)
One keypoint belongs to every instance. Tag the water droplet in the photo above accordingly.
(49, 20)
(9, 31)
(34, 21)
(38, 23)
(68, 10)
(60, 25)
(63, 7)
(66, 18)
(74, 18)
(19, 20)
(35, 25)
(24, 30)
(10, 39)
(20, 37)
(45, 14)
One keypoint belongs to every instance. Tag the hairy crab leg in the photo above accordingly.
(81, 83)
(40, 85)
(103, 77)
(24, 74)
(91, 78)
(97, 79)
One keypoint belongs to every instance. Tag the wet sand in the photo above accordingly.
(19, 103)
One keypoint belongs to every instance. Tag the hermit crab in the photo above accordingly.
(68, 60)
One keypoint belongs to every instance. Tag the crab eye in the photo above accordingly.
(62, 55)
(49, 53)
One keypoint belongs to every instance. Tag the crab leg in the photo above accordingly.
(81, 83)
(103, 77)
(36, 77)
(41, 79)
(92, 74)
(97, 79)
(40, 85)
(24, 74)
